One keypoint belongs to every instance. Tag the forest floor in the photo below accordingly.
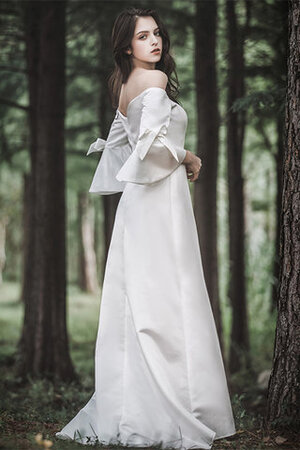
(32, 412)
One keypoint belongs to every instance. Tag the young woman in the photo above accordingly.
(159, 372)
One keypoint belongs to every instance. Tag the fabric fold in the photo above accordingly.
(144, 147)
(147, 139)
(155, 155)
(114, 152)
(159, 373)
(97, 146)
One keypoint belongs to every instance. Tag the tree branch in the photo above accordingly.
(5, 101)
(13, 69)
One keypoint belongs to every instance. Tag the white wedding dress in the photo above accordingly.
(159, 374)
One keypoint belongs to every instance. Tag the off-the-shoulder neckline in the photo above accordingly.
(137, 96)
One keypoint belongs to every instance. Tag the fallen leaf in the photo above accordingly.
(280, 440)
(39, 438)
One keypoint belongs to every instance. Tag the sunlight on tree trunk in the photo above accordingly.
(87, 257)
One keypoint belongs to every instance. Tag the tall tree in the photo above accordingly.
(28, 233)
(110, 202)
(283, 390)
(239, 339)
(3, 225)
(31, 31)
(87, 256)
(205, 191)
(268, 39)
(280, 77)
(43, 349)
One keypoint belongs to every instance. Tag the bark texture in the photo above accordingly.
(280, 77)
(283, 391)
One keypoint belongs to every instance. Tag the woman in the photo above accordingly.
(159, 372)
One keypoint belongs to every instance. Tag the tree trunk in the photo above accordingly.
(283, 390)
(280, 79)
(279, 164)
(27, 231)
(205, 190)
(239, 339)
(32, 51)
(44, 343)
(87, 276)
(110, 202)
(3, 225)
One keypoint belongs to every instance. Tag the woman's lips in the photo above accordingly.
(157, 50)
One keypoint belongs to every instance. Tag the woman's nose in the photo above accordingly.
(154, 39)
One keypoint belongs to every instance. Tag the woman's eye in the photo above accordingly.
(143, 35)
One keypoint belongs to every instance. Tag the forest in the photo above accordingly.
(237, 63)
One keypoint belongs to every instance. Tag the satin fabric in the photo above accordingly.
(159, 373)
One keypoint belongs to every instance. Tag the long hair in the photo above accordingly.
(122, 34)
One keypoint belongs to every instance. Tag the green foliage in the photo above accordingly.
(272, 99)
(243, 419)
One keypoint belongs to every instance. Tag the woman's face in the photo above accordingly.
(146, 38)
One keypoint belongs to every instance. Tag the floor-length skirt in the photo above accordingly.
(159, 374)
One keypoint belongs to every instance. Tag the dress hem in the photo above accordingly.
(64, 436)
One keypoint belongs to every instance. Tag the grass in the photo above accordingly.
(41, 407)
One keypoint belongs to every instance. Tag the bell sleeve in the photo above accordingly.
(114, 152)
(155, 155)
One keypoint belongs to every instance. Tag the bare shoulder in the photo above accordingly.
(153, 78)
(140, 80)
(144, 78)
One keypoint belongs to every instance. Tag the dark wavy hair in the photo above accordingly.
(122, 34)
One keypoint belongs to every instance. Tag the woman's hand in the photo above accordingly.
(192, 165)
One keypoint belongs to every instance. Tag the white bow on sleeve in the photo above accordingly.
(115, 151)
(97, 146)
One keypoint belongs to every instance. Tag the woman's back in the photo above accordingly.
(139, 80)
